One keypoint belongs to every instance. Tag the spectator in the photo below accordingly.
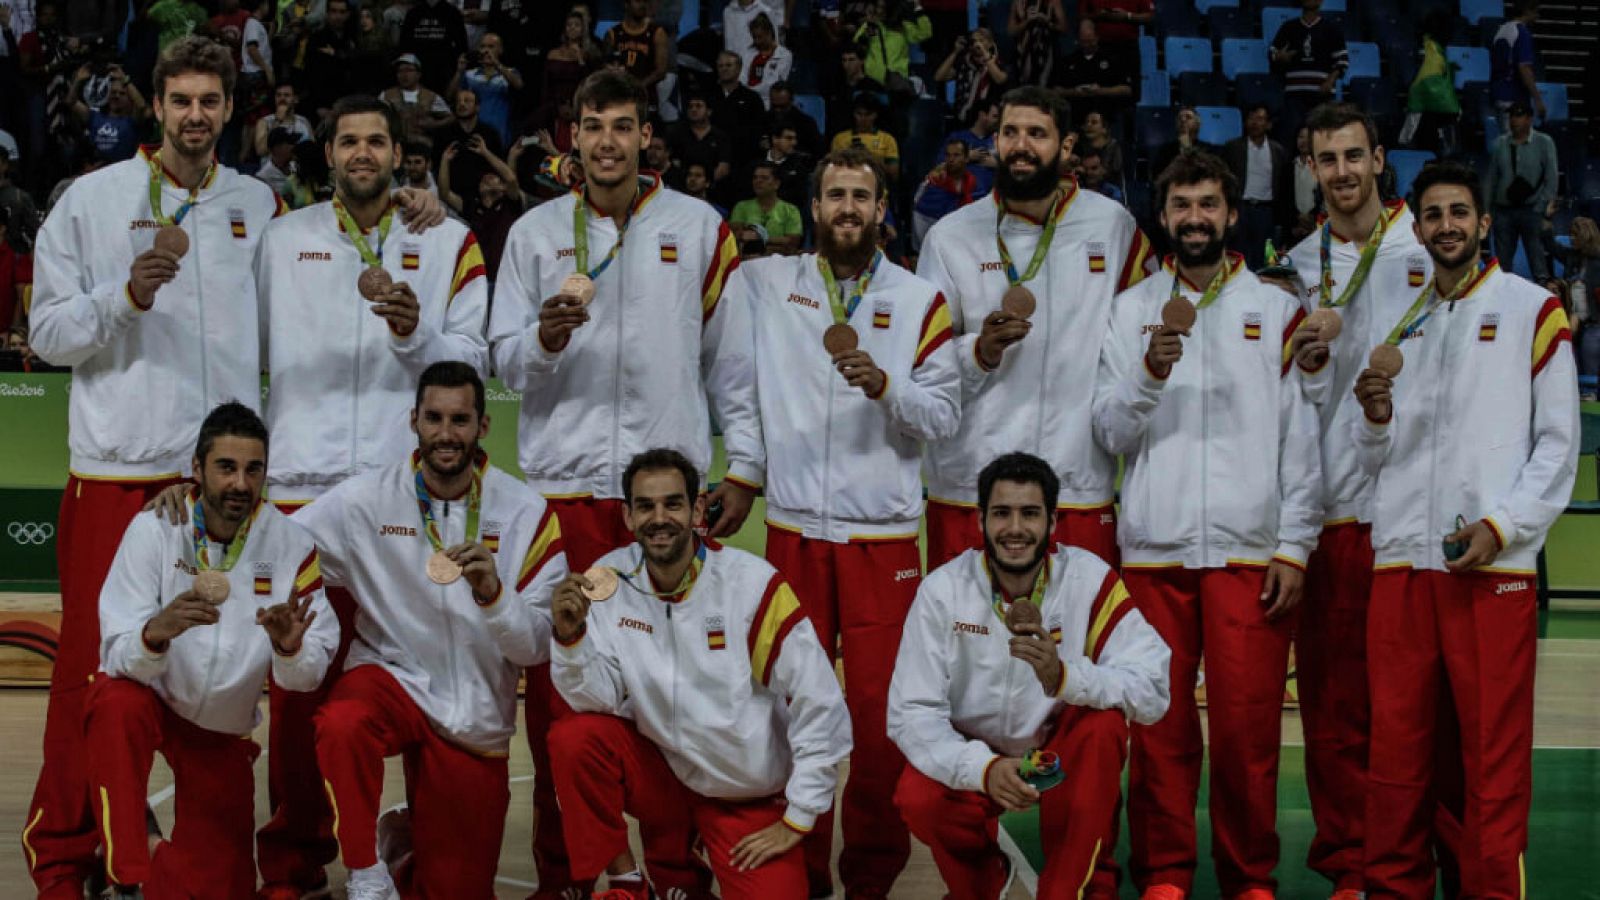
(255, 54)
(416, 166)
(980, 141)
(49, 57)
(865, 133)
(1266, 178)
(697, 184)
(791, 165)
(1511, 59)
(695, 141)
(476, 145)
(1432, 107)
(565, 68)
(1583, 268)
(369, 65)
(1187, 141)
(645, 45)
(494, 84)
(1310, 54)
(1033, 25)
(175, 19)
(658, 159)
(736, 19)
(16, 277)
(436, 32)
(278, 165)
(974, 64)
(394, 17)
(330, 50)
(1092, 174)
(891, 29)
(947, 188)
(1098, 79)
(781, 111)
(766, 218)
(495, 204)
(737, 110)
(115, 130)
(13, 97)
(296, 22)
(949, 21)
(1117, 22)
(22, 215)
(308, 182)
(285, 116)
(420, 109)
(1096, 137)
(853, 81)
(767, 62)
(1305, 185)
(227, 26)
(1519, 185)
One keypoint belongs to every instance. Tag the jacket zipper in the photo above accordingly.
(824, 509)
(1205, 436)
(355, 393)
(1044, 382)
(200, 303)
(211, 668)
(615, 476)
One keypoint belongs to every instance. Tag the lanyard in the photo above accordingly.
(1042, 249)
(843, 310)
(348, 223)
(1036, 597)
(202, 549)
(689, 576)
(1416, 315)
(580, 236)
(1363, 266)
(430, 526)
(156, 176)
(1212, 289)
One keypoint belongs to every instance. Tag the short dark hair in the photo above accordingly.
(360, 105)
(451, 374)
(1194, 167)
(765, 164)
(1022, 468)
(655, 460)
(1250, 109)
(603, 90)
(1449, 172)
(762, 21)
(850, 157)
(782, 84)
(1042, 99)
(1334, 116)
(780, 126)
(193, 53)
(417, 145)
(1087, 153)
(232, 419)
(853, 48)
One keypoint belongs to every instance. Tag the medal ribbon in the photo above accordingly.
(156, 177)
(998, 598)
(202, 548)
(1212, 289)
(684, 584)
(430, 526)
(580, 234)
(1042, 249)
(348, 224)
(1363, 265)
(843, 310)
(1416, 315)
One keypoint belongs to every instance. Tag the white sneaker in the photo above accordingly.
(372, 884)
(1011, 875)
(394, 836)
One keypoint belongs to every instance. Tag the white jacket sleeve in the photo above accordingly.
(461, 339)
(324, 518)
(1125, 390)
(1131, 674)
(519, 357)
(928, 406)
(819, 725)
(304, 669)
(728, 369)
(1544, 485)
(1372, 441)
(932, 267)
(519, 619)
(1299, 473)
(72, 320)
(919, 698)
(130, 597)
(587, 672)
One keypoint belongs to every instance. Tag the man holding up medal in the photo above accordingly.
(182, 665)
(854, 371)
(1014, 656)
(1042, 256)
(1480, 427)
(1198, 392)
(700, 691)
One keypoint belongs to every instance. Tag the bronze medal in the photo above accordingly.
(1018, 302)
(1178, 314)
(1326, 323)
(172, 239)
(211, 586)
(578, 286)
(1386, 360)
(442, 569)
(840, 338)
(1022, 614)
(603, 583)
(374, 282)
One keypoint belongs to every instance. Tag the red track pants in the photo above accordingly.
(1216, 614)
(1335, 711)
(1076, 817)
(1439, 640)
(605, 767)
(857, 596)
(60, 835)
(208, 856)
(953, 528)
(458, 799)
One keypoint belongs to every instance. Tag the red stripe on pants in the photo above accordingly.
(857, 596)
(1470, 640)
(1335, 711)
(1076, 817)
(590, 528)
(953, 529)
(1216, 614)
(605, 767)
(458, 799)
(208, 856)
(59, 835)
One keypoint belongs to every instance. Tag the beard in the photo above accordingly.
(466, 454)
(349, 189)
(851, 255)
(1208, 254)
(179, 142)
(1039, 548)
(1471, 244)
(1046, 175)
(673, 552)
(230, 506)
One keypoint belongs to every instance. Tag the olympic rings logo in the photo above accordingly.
(30, 533)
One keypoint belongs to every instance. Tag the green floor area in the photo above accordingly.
(1564, 837)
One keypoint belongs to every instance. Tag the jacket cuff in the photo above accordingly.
(798, 820)
(408, 343)
(127, 294)
(1291, 555)
(885, 391)
(1148, 380)
(477, 600)
(1498, 527)
(1376, 427)
(539, 357)
(746, 475)
(571, 651)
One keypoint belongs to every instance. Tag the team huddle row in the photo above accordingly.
(1372, 440)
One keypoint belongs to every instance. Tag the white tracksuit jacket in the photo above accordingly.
(1399, 273)
(1222, 454)
(1039, 399)
(637, 374)
(1485, 426)
(211, 675)
(840, 463)
(729, 681)
(458, 661)
(142, 381)
(342, 384)
(958, 700)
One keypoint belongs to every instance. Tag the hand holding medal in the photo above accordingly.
(473, 561)
(840, 339)
(159, 265)
(569, 603)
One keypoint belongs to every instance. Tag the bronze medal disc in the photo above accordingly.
(172, 239)
(1387, 360)
(1178, 314)
(1326, 323)
(1022, 614)
(442, 569)
(374, 282)
(211, 586)
(604, 581)
(578, 286)
(1019, 302)
(839, 339)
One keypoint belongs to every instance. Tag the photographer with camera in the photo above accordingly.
(492, 82)
(974, 63)
(887, 35)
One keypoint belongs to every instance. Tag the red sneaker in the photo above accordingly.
(627, 890)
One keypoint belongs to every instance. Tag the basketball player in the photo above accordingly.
(192, 619)
(1198, 392)
(1062, 254)
(1025, 645)
(699, 686)
(1474, 439)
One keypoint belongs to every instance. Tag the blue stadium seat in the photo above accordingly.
(1555, 101)
(1588, 183)
(1240, 55)
(972, 13)
(1188, 54)
(604, 26)
(814, 106)
(1491, 132)
(689, 20)
(1333, 6)
(1219, 124)
(1272, 17)
(1230, 22)
(1363, 60)
(1472, 63)
(1147, 55)
(1155, 89)
(1154, 126)
(1375, 95)
(1406, 165)
(1175, 18)
(1259, 87)
(1206, 6)
(1473, 10)
(1202, 89)
(1569, 139)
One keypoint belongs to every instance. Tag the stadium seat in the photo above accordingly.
(1155, 89)
(814, 106)
(1363, 60)
(604, 26)
(1406, 165)
(1555, 100)
(1259, 87)
(1347, 25)
(1219, 124)
(1569, 139)
(1188, 54)
(1491, 133)
(689, 19)
(1333, 6)
(1154, 127)
(1273, 17)
(1589, 182)
(1147, 55)
(1473, 10)
(1375, 95)
(1176, 18)
(1230, 22)
(972, 14)
(1472, 63)
(1202, 89)
(1241, 55)
(1206, 6)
